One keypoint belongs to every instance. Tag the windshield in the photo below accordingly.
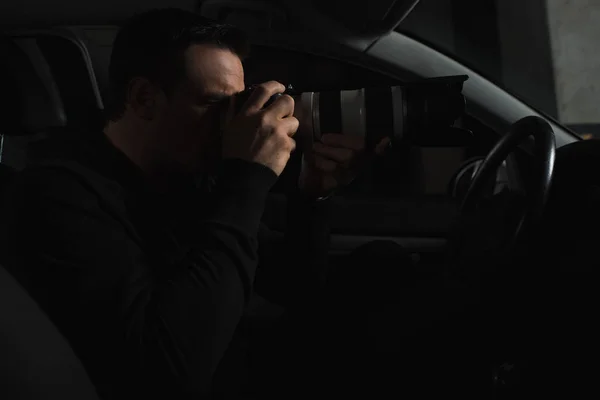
(544, 52)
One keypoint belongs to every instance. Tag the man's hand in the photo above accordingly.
(262, 135)
(334, 162)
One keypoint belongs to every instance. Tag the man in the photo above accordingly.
(146, 273)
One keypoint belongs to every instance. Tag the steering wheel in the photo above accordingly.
(535, 189)
(483, 251)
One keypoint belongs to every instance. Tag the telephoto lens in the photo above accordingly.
(402, 113)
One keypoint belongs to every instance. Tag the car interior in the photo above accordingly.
(514, 210)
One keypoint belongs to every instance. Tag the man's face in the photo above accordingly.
(189, 123)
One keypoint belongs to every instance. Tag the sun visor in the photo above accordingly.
(362, 18)
(377, 17)
(29, 99)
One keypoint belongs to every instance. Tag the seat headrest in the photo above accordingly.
(29, 99)
(71, 66)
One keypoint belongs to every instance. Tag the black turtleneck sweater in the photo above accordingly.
(147, 286)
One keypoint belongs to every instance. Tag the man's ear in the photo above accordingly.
(144, 98)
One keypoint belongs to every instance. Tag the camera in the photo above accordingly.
(416, 113)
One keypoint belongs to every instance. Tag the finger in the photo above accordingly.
(382, 145)
(288, 126)
(292, 144)
(324, 164)
(260, 95)
(356, 143)
(338, 154)
(282, 107)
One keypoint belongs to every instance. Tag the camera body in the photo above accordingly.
(242, 97)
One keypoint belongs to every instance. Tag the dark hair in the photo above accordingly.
(152, 45)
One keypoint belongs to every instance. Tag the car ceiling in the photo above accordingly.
(58, 12)
(375, 16)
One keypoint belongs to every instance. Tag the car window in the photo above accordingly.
(542, 51)
(411, 171)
